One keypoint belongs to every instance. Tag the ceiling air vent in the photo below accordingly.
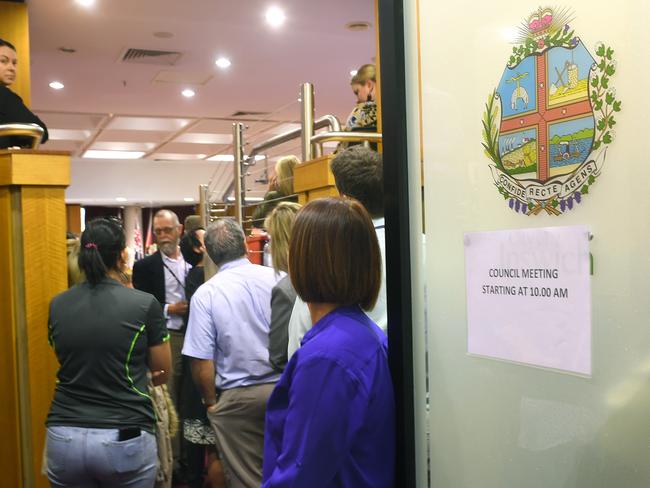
(248, 113)
(358, 25)
(150, 56)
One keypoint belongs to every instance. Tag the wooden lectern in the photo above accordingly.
(314, 179)
(33, 268)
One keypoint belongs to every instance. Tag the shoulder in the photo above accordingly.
(139, 296)
(148, 262)
(350, 336)
(7, 94)
(284, 286)
(65, 296)
(265, 272)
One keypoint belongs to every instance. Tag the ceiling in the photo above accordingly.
(111, 105)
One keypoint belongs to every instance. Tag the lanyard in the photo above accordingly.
(174, 274)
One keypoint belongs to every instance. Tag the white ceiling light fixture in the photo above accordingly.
(56, 85)
(223, 158)
(223, 63)
(120, 199)
(86, 3)
(95, 154)
(275, 17)
(353, 72)
(188, 199)
(188, 93)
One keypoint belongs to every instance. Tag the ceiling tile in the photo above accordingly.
(69, 134)
(189, 148)
(284, 128)
(123, 146)
(204, 138)
(133, 136)
(182, 77)
(148, 123)
(101, 154)
(213, 126)
(53, 145)
(62, 120)
(175, 156)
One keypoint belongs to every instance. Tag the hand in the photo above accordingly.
(211, 408)
(158, 373)
(178, 308)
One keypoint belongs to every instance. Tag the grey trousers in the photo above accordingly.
(176, 339)
(238, 422)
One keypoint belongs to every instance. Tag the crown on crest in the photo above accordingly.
(539, 22)
(545, 21)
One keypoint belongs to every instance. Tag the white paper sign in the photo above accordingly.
(529, 296)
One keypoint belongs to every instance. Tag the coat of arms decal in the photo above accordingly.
(547, 125)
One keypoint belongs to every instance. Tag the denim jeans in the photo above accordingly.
(84, 458)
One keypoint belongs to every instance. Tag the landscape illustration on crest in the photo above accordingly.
(547, 125)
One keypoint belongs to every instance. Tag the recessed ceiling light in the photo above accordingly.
(86, 3)
(353, 72)
(188, 93)
(275, 16)
(223, 63)
(56, 85)
(188, 199)
(163, 35)
(95, 154)
(120, 199)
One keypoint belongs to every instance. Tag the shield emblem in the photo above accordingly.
(547, 123)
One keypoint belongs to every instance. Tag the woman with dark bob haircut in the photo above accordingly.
(107, 338)
(330, 418)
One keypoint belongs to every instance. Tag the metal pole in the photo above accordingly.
(307, 119)
(238, 152)
(204, 205)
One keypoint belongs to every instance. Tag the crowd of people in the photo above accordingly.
(279, 374)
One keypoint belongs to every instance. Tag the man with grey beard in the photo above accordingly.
(163, 275)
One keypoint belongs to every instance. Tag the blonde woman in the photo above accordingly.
(280, 188)
(279, 225)
(364, 114)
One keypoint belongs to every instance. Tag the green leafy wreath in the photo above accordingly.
(563, 37)
(603, 98)
(491, 120)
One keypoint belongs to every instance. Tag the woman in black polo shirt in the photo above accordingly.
(107, 337)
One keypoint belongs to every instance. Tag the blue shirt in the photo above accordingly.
(330, 419)
(230, 315)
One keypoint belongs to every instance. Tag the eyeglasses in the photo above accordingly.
(164, 230)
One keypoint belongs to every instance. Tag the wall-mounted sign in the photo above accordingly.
(547, 124)
(529, 296)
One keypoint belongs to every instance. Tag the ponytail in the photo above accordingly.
(100, 248)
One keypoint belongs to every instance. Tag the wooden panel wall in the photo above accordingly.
(73, 218)
(10, 453)
(14, 27)
(45, 270)
(33, 268)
